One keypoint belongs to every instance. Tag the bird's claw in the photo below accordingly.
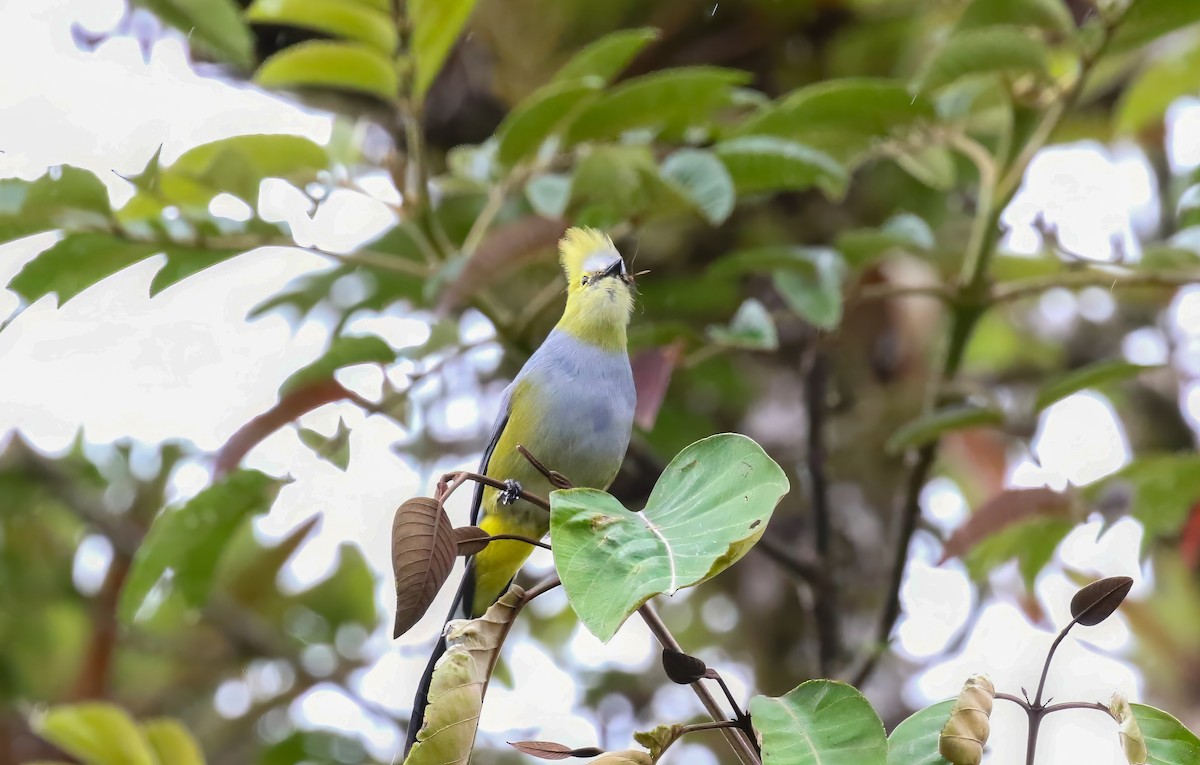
(511, 493)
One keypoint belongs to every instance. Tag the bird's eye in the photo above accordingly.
(583, 280)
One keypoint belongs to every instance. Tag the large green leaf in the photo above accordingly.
(75, 263)
(704, 180)
(761, 163)
(533, 120)
(344, 351)
(1090, 376)
(607, 57)
(670, 99)
(1148, 19)
(215, 25)
(1168, 741)
(336, 65)
(843, 117)
(358, 22)
(708, 508)
(184, 544)
(435, 27)
(1145, 101)
(816, 296)
(172, 743)
(820, 722)
(96, 734)
(984, 51)
(915, 741)
(1045, 14)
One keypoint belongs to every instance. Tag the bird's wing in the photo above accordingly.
(497, 429)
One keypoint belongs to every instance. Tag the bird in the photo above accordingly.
(571, 406)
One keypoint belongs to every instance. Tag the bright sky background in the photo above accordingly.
(186, 365)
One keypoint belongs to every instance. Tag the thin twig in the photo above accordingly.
(828, 628)
(1111, 280)
(457, 478)
(738, 740)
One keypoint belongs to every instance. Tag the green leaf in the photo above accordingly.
(357, 22)
(932, 166)
(1031, 542)
(620, 180)
(347, 596)
(1045, 14)
(95, 733)
(535, 119)
(184, 544)
(815, 296)
(1145, 101)
(68, 197)
(751, 327)
(237, 165)
(984, 51)
(845, 117)
(915, 741)
(1090, 376)
(336, 65)
(1168, 741)
(75, 263)
(704, 180)
(761, 163)
(904, 232)
(1159, 489)
(215, 25)
(820, 722)
(665, 100)
(333, 449)
(930, 427)
(344, 351)
(172, 743)
(708, 508)
(12, 195)
(607, 57)
(548, 194)
(1149, 19)
(435, 27)
(1187, 211)
(183, 262)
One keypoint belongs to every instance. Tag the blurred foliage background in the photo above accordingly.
(816, 189)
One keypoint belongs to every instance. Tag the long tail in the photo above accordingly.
(421, 701)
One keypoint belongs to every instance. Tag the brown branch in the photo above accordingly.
(829, 637)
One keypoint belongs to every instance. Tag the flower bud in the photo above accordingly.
(967, 730)
(1132, 740)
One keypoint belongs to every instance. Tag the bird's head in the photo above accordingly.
(600, 289)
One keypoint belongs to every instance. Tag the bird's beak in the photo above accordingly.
(616, 269)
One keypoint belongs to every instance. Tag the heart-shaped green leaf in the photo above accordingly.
(707, 510)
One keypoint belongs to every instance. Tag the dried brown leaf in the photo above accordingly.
(423, 552)
(682, 668)
(1005, 509)
(470, 539)
(548, 750)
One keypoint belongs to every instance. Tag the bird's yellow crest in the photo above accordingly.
(576, 246)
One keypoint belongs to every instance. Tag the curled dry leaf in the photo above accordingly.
(470, 540)
(423, 552)
(1132, 740)
(1096, 602)
(548, 750)
(965, 733)
(682, 668)
(1005, 509)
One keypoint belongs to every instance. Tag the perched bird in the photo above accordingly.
(571, 406)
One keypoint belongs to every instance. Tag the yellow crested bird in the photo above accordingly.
(571, 406)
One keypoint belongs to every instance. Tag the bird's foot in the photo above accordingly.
(511, 492)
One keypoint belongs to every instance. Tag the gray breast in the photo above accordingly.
(587, 400)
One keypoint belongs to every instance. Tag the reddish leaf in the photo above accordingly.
(1189, 545)
(548, 750)
(1001, 511)
(423, 552)
(652, 370)
(503, 248)
(296, 403)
